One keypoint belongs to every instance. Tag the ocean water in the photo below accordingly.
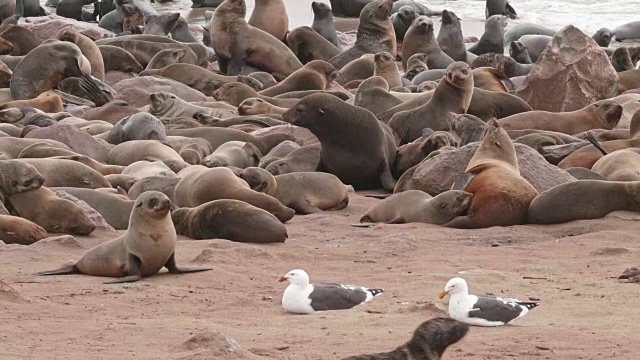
(588, 15)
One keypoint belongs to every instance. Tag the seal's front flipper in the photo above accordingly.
(303, 207)
(511, 12)
(238, 58)
(387, 180)
(92, 89)
(174, 269)
(65, 270)
(133, 271)
(463, 181)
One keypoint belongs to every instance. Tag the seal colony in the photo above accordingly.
(156, 134)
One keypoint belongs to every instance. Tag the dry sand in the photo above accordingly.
(585, 312)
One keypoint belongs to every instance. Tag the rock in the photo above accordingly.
(136, 91)
(438, 174)
(64, 241)
(98, 220)
(211, 345)
(571, 73)
(76, 139)
(9, 294)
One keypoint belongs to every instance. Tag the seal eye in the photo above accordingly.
(152, 203)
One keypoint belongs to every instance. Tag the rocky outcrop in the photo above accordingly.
(571, 73)
(438, 174)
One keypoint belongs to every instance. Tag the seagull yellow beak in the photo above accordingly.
(282, 279)
(443, 294)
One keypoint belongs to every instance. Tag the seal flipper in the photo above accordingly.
(174, 269)
(511, 12)
(396, 220)
(386, 178)
(303, 207)
(463, 181)
(65, 270)
(365, 225)
(595, 143)
(378, 196)
(238, 58)
(133, 271)
(93, 91)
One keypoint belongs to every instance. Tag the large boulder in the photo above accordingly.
(571, 73)
(438, 174)
(75, 138)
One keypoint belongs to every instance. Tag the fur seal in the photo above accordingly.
(385, 66)
(236, 43)
(514, 33)
(602, 37)
(278, 152)
(429, 341)
(604, 114)
(147, 246)
(620, 165)
(22, 39)
(501, 196)
(195, 188)
(450, 37)
(535, 45)
(308, 45)
(71, 9)
(48, 101)
(582, 200)
(350, 8)
(160, 24)
(131, 151)
(62, 172)
(416, 64)
(315, 75)
(306, 158)
(54, 214)
(64, 59)
(258, 179)
(29, 8)
(310, 192)
(231, 220)
(140, 126)
(235, 93)
(118, 59)
(504, 64)
(453, 94)
(518, 51)
(17, 177)
(628, 31)
(621, 60)
(368, 142)
(499, 7)
(413, 153)
(402, 20)
(16, 230)
(271, 17)
(116, 209)
(421, 39)
(191, 75)
(359, 69)
(234, 153)
(257, 106)
(492, 40)
(418, 206)
(167, 57)
(375, 34)
(323, 22)
(373, 95)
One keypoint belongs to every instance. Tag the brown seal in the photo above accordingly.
(147, 246)
(257, 106)
(421, 39)
(16, 230)
(627, 80)
(375, 33)
(63, 59)
(604, 114)
(237, 43)
(429, 341)
(306, 158)
(358, 69)
(111, 112)
(118, 59)
(195, 189)
(385, 66)
(62, 172)
(582, 200)
(315, 75)
(501, 196)
(373, 95)
(48, 101)
(167, 57)
(413, 153)
(121, 181)
(101, 168)
(54, 214)
(343, 129)
(240, 154)
(310, 192)
(114, 207)
(231, 220)
(235, 93)
(131, 151)
(271, 17)
(22, 39)
(88, 48)
(17, 177)
(416, 64)
(278, 152)
(258, 179)
(453, 94)
(620, 165)
(191, 75)
(418, 206)
(308, 45)
(621, 59)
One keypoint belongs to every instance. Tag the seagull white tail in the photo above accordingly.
(371, 293)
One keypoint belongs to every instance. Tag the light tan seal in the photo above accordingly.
(240, 154)
(16, 230)
(384, 65)
(271, 17)
(501, 196)
(604, 114)
(310, 192)
(315, 75)
(48, 101)
(88, 48)
(418, 206)
(257, 106)
(229, 219)
(148, 245)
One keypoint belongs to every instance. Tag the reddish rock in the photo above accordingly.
(571, 73)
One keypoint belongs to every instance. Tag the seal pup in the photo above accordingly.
(375, 34)
(315, 75)
(238, 154)
(308, 45)
(271, 17)
(417, 63)
(429, 341)
(501, 196)
(421, 39)
(492, 40)
(402, 20)
(147, 246)
(419, 207)
(499, 7)
(310, 192)
(229, 219)
(368, 142)
(323, 22)
(236, 43)
(518, 51)
(450, 37)
(385, 67)
(603, 37)
(453, 94)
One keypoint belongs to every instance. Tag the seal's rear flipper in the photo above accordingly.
(364, 225)
(378, 196)
(65, 270)
(93, 91)
(174, 269)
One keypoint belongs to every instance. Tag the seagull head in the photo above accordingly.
(296, 277)
(455, 286)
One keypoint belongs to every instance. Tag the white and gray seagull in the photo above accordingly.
(301, 297)
(482, 310)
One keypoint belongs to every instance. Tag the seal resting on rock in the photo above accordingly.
(147, 246)
(501, 196)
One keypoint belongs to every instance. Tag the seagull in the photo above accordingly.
(482, 310)
(301, 297)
